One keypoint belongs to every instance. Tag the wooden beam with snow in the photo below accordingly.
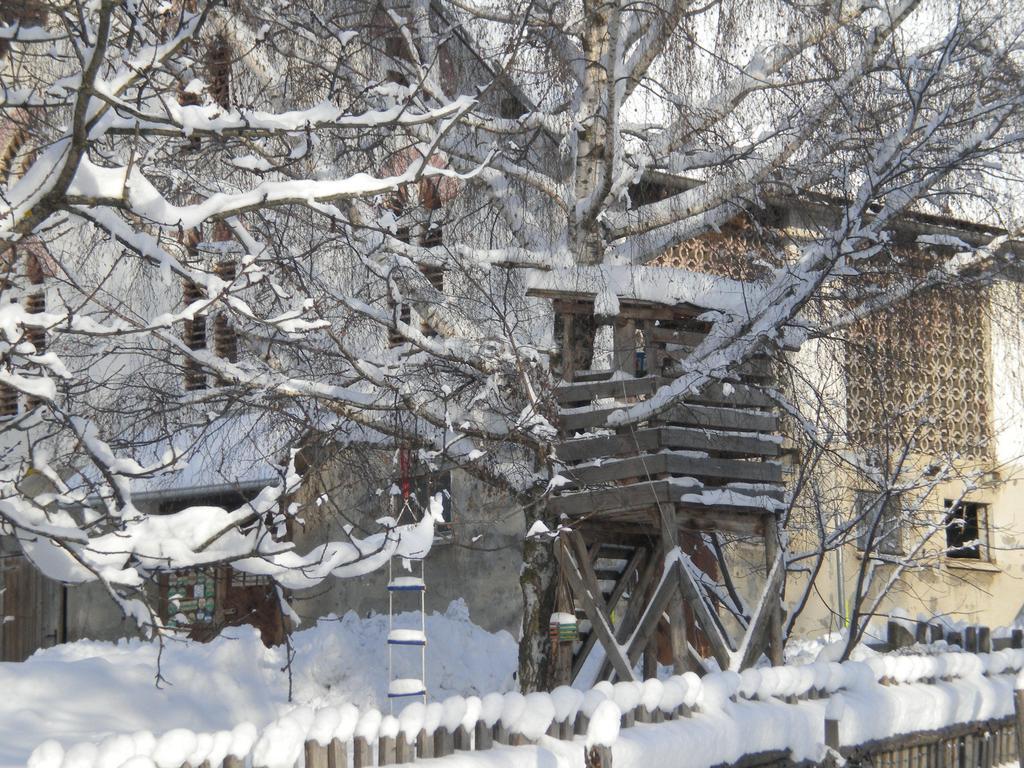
(653, 439)
(694, 595)
(757, 631)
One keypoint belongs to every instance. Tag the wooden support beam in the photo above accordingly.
(634, 609)
(759, 627)
(599, 620)
(772, 555)
(694, 596)
(652, 613)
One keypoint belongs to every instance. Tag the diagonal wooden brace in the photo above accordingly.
(593, 606)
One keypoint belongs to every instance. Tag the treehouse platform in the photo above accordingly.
(638, 500)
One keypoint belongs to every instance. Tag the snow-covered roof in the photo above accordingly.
(661, 285)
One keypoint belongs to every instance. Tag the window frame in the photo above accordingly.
(893, 510)
(979, 552)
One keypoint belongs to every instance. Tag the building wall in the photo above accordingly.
(477, 561)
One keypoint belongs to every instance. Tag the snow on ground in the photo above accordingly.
(85, 690)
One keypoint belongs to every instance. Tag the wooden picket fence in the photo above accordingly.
(972, 638)
(984, 744)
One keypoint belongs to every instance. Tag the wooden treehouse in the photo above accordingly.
(638, 498)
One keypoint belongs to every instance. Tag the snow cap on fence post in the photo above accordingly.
(604, 724)
(490, 708)
(243, 737)
(536, 716)
(49, 754)
(173, 749)
(512, 707)
(474, 707)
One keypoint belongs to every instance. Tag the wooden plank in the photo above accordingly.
(757, 631)
(600, 622)
(589, 390)
(775, 564)
(672, 463)
(682, 414)
(362, 755)
(759, 367)
(694, 596)
(733, 395)
(649, 494)
(315, 754)
(650, 618)
(337, 754)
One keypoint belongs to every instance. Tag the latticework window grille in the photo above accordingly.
(920, 371)
(739, 252)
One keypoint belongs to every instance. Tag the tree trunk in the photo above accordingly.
(538, 580)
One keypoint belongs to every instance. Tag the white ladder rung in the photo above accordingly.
(406, 686)
(406, 583)
(407, 637)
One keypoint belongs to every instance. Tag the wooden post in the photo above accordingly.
(971, 639)
(1017, 638)
(316, 754)
(362, 755)
(405, 751)
(936, 633)
(462, 739)
(337, 755)
(565, 729)
(232, 761)
(386, 749)
(984, 640)
(955, 638)
(832, 734)
(771, 553)
(598, 757)
(443, 745)
(500, 733)
(582, 723)
(482, 738)
(897, 636)
(424, 745)
(921, 632)
(518, 740)
(1018, 707)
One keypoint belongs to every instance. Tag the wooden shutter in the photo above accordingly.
(195, 337)
(218, 61)
(225, 340)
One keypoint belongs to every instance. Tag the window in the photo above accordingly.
(966, 529)
(431, 238)
(885, 538)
